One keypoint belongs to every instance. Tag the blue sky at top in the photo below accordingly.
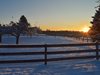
(61, 13)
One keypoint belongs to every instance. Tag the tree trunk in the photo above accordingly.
(0, 38)
(17, 39)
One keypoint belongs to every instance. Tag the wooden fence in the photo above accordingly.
(46, 52)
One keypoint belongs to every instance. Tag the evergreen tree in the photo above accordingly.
(95, 28)
(23, 23)
(22, 27)
(0, 34)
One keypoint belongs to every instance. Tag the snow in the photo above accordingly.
(66, 67)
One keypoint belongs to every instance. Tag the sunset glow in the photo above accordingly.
(49, 14)
(86, 29)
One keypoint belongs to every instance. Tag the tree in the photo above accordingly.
(15, 29)
(20, 27)
(0, 34)
(95, 28)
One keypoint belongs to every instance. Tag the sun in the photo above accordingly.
(86, 29)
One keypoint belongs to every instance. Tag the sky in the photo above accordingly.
(50, 14)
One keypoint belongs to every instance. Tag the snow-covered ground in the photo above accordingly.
(67, 67)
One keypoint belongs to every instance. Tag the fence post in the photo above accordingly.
(97, 51)
(45, 55)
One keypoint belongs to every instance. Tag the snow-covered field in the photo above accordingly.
(67, 67)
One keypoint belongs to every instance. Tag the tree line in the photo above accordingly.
(76, 34)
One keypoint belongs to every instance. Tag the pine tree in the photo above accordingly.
(22, 27)
(23, 23)
(95, 28)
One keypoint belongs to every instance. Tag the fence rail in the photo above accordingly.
(46, 52)
(48, 45)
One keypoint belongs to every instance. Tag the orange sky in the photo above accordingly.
(50, 14)
(75, 26)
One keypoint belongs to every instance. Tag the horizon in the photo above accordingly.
(50, 14)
